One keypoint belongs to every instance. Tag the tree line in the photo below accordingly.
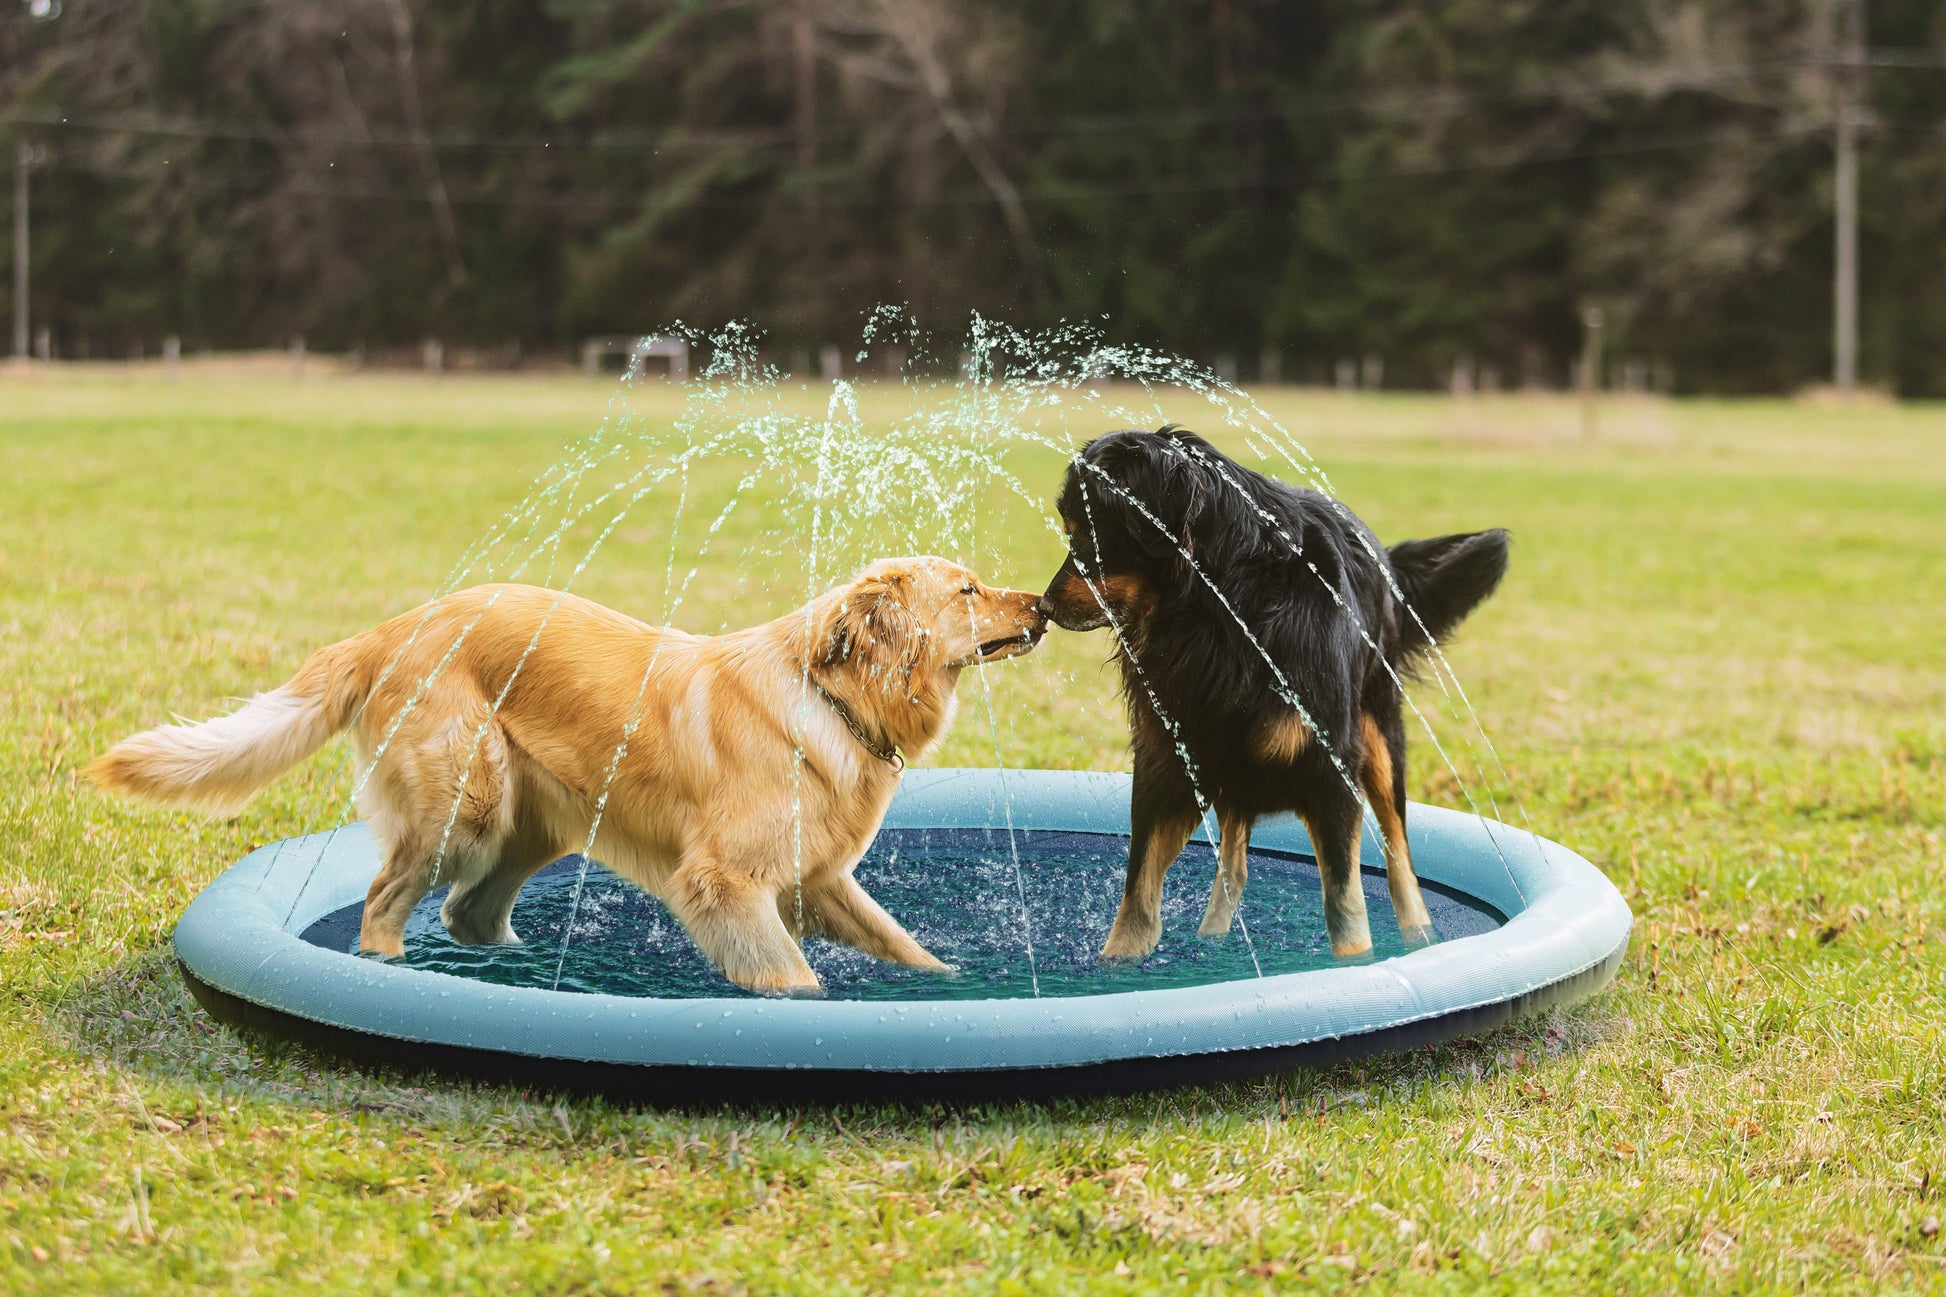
(1403, 183)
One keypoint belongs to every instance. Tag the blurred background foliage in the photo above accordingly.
(1396, 183)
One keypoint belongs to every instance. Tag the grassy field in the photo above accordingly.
(1715, 670)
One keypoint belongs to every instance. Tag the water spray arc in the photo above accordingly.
(837, 470)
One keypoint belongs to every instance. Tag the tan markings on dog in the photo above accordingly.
(1072, 588)
(1129, 598)
(710, 805)
(1153, 847)
(1282, 739)
(1377, 777)
(1345, 919)
(1132, 598)
(1232, 872)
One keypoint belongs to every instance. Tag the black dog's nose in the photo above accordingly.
(1045, 610)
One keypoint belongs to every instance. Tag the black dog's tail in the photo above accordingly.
(1443, 579)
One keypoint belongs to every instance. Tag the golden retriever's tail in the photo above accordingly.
(218, 765)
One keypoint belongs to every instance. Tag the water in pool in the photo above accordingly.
(956, 891)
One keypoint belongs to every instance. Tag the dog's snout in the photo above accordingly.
(1070, 602)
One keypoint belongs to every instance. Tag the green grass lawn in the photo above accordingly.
(1714, 670)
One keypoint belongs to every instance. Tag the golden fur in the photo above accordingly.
(708, 805)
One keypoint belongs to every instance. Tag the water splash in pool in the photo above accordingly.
(959, 891)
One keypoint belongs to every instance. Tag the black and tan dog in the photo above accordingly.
(1248, 612)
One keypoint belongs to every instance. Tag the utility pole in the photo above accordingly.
(804, 85)
(1591, 327)
(23, 160)
(1844, 287)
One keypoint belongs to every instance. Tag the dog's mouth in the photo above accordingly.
(1009, 646)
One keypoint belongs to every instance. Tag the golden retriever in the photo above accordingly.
(737, 777)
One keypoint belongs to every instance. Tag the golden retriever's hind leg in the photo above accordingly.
(479, 909)
(400, 886)
(845, 912)
(735, 922)
(1232, 872)
(1383, 778)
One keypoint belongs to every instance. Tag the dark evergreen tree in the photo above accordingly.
(1429, 184)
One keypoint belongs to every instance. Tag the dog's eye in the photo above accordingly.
(969, 588)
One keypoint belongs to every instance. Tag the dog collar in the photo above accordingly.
(888, 753)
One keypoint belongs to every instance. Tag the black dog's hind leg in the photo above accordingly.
(1232, 871)
(1333, 822)
(1383, 778)
(1162, 815)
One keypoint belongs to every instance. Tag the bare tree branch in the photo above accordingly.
(917, 31)
(415, 117)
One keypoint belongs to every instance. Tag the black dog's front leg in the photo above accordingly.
(1334, 823)
(1162, 815)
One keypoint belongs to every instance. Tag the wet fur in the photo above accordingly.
(700, 809)
(1253, 752)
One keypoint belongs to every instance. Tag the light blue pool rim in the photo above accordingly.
(1566, 929)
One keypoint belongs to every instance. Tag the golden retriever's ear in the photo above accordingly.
(871, 625)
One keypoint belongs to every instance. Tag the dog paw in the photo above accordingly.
(778, 989)
(1418, 936)
(1121, 950)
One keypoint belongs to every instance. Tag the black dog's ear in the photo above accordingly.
(1185, 494)
(1154, 486)
(1193, 509)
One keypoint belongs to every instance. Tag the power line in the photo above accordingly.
(691, 137)
(261, 180)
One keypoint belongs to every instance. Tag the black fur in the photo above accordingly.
(1443, 580)
(1155, 520)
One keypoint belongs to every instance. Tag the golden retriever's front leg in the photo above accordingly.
(845, 912)
(733, 919)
